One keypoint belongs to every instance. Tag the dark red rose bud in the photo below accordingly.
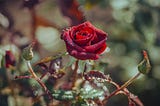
(85, 41)
(9, 59)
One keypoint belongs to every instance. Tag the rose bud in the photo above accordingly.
(144, 66)
(85, 41)
(27, 52)
(10, 60)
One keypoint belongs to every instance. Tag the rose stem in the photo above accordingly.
(74, 75)
(38, 80)
(123, 86)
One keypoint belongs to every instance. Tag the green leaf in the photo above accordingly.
(91, 93)
(64, 95)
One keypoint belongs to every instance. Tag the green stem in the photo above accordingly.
(130, 81)
(38, 79)
(31, 70)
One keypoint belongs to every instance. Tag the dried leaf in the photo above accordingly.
(97, 75)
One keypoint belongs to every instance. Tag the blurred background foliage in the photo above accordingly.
(132, 25)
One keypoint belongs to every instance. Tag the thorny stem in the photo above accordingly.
(38, 79)
(122, 87)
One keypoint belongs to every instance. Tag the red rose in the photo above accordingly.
(84, 41)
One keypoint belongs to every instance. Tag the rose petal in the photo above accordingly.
(98, 31)
(100, 34)
(81, 39)
(84, 55)
(75, 29)
(82, 27)
(70, 42)
(83, 42)
(95, 47)
(100, 50)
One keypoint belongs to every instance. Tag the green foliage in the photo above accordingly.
(87, 93)
(64, 95)
(71, 95)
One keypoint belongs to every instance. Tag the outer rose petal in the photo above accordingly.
(83, 42)
(84, 55)
(100, 34)
(81, 55)
(101, 50)
(95, 47)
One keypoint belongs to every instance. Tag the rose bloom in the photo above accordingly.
(85, 41)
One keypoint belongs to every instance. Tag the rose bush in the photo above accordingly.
(85, 41)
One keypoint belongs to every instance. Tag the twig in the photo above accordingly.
(122, 87)
(130, 81)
